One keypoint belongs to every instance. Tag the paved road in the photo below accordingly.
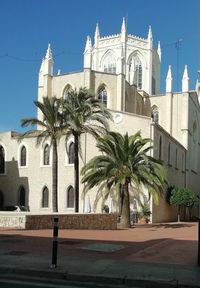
(16, 281)
(157, 253)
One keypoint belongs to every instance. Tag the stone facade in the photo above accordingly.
(126, 69)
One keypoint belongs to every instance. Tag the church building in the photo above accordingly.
(123, 72)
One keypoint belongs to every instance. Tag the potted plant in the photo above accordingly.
(105, 209)
(144, 214)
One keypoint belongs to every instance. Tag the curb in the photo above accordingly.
(96, 278)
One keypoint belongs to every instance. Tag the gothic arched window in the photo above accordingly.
(23, 156)
(45, 197)
(71, 153)
(46, 156)
(102, 95)
(2, 160)
(70, 197)
(135, 72)
(109, 63)
(67, 91)
(22, 196)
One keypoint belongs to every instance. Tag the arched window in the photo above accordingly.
(155, 114)
(46, 156)
(67, 90)
(71, 153)
(102, 95)
(23, 156)
(45, 197)
(22, 196)
(160, 149)
(70, 197)
(109, 63)
(2, 160)
(135, 72)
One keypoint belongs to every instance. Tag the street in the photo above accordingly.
(18, 281)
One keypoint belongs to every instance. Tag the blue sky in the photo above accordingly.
(27, 26)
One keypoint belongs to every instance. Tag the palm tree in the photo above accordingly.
(83, 113)
(51, 128)
(124, 165)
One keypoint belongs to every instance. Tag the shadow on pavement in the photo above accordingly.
(162, 250)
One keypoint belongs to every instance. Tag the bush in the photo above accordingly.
(183, 197)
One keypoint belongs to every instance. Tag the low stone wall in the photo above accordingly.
(8, 220)
(73, 221)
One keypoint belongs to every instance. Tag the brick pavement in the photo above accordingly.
(174, 243)
(160, 255)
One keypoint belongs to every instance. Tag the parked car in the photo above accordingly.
(14, 208)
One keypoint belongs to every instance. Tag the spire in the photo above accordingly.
(150, 38)
(185, 80)
(47, 65)
(88, 46)
(96, 36)
(169, 80)
(197, 85)
(48, 53)
(159, 50)
(123, 31)
(88, 53)
(150, 35)
(169, 73)
(97, 33)
(123, 28)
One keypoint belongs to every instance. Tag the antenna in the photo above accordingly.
(177, 46)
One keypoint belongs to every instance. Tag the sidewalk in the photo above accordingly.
(162, 255)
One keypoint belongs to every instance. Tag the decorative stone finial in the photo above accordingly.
(48, 53)
(169, 80)
(88, 46)
(185, 80)
(123, 28)
(159, 50)
(150, 35)
(97, 33)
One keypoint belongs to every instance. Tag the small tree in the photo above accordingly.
(183, 197)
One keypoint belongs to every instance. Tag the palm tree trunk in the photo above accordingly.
(125, 208)
(55, 177)
(76, 172)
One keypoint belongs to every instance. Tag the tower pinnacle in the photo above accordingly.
(185, 80)
(169, 80)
